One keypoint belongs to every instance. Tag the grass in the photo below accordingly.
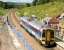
(2, 11)
(52, 9)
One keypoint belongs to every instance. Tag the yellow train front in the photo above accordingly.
(49, 38)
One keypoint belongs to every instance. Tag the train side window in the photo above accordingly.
(38, 33)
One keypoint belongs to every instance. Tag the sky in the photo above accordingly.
(17, 1)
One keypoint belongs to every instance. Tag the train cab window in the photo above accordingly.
(52, 34)
(51, 31)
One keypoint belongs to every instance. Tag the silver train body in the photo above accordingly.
(35, 28)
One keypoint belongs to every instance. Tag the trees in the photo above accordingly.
(28, 4)
(43, 1)
(1, 4)
(35, 2)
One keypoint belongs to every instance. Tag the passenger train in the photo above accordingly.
(35, 28)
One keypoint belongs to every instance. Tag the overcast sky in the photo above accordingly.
(17, 0)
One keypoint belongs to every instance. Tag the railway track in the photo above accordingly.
(5, 39)
(20, 36)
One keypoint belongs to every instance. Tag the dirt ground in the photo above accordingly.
(5, 39)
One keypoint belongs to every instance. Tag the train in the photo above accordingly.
(37, 29)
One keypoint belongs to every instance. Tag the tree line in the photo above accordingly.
(37, 2)
(8, 5)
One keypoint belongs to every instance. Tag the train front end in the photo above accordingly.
(48, 34)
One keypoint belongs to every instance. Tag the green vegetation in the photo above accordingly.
(52, 9)
(2, 11)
